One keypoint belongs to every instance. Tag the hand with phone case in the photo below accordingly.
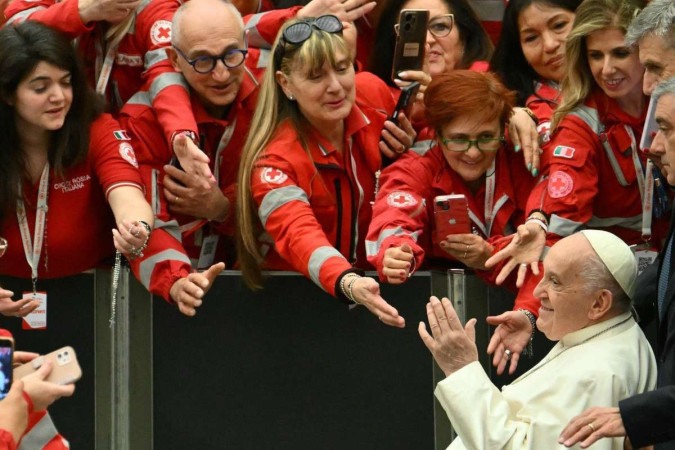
(398, 133)
(42, 392)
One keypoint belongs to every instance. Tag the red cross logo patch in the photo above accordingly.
(560, 184)
(273, 176)
(160, 33)
(400, 199)
(127, 152)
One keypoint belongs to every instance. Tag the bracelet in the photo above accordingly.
(350, 294)
(138, 252)
(532, 115)
(343, 281)
(539, 214)
(529, 351)
(539, 222)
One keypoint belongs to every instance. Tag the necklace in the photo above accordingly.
(543, 363)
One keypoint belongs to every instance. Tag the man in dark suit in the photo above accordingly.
(647, 418)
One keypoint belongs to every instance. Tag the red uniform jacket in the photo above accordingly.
(592, 181)
(315, 203)
(79, 220)
(417, 179)
(140, 59)
(222, 140)
(543, 102)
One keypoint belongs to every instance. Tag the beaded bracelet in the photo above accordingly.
(346, 290)
(138, 252)
(350, 286)
(529, 351)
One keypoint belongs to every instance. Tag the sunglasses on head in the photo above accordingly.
(301, 31)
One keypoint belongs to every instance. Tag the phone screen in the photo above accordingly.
(6, 357)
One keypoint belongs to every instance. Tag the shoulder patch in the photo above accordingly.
(127, 152)
(121, 135)
(160, 32)
(400, 199)
(273, 175)
(560, 184)
(562, 151)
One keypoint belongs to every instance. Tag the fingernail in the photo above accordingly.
(403, 74)
(535, 172)
(529, 166)
(516, 148)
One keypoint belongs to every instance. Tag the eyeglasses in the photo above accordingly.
(205, 64)
(439, 26)
(482, 144)
(301, 31)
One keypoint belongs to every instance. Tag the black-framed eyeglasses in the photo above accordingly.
(439, 26)
(301, 31)
(482, 144)
(232, 58)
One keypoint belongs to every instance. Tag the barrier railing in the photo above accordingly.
(288, 366)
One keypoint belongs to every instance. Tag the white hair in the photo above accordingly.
(656, 19)
(665, 87)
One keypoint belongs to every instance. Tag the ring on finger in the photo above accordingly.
(507, 354)
(590, 425)
(523, 265)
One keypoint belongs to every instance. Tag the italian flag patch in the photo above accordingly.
(121, 135)
(563, 152)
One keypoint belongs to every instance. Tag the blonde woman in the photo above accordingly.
(308, 171)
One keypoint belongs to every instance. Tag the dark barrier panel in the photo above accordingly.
(70, 321)
(291, 368)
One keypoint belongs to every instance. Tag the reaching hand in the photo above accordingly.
(524, 135)
(509, 340)
(366, 291)
(345, 10)
(452, 345)
(591, 425)
(396, 263)
(112, 11)
(19, 308)
(129, 237)
(192, 160)
(14, 411)
(188, 292)
(523, 251)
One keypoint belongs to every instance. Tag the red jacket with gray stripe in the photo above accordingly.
(315, 203)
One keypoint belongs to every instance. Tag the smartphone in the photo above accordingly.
(65, 368)
(405, 100)
(451, 216)
(6, 358)
(410, 41)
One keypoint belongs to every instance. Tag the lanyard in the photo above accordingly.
(104, 66)
(645, 182)
(33, 249)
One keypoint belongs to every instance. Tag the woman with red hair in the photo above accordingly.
(467, 112)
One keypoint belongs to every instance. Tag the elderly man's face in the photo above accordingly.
(565, 303)
(658, 59)
(665, 138)
(210, 35)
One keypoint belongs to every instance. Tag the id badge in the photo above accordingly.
(208, 252)
(36, 320)
(644, 256)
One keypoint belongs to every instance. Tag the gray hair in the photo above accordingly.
(657, 19)
(597, 276)
(665, 87)
(175, 23)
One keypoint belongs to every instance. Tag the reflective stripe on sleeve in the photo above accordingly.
(40, 435)
(170, 227)
(254, 38)
(165, 80)
(140, 98)
(277, 198)
(422, 147)
(23, 15)
(318, 258)
(148, 265)
(562, 226)
(632, 223)
(154, 56)
(373, 247)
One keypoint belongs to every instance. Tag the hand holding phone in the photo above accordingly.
(410, 41)
(451, 216)
(405, 101)
(65, 368)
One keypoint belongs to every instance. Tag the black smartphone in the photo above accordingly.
(405, 100)
(410, 41)
(6, 360)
